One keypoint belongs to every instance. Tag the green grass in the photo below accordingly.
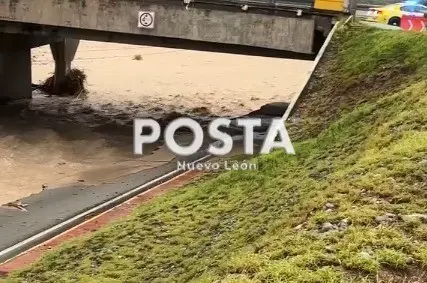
(362, 143)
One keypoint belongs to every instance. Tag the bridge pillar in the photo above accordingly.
(63, 53)
(15, 67)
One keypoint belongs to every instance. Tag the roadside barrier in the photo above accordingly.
(414, 22)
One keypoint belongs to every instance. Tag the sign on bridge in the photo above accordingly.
(146, 19)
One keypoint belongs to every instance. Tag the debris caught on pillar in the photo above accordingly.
(73, 85)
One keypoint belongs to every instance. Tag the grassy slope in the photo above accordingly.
(369, 159)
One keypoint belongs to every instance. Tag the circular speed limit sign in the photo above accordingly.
(146, 20)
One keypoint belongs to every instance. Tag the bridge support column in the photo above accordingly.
(15, 67)
(63, 53)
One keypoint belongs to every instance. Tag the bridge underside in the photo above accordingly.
(25, 24)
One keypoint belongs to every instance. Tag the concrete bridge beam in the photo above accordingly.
(63, 52)
(273, 29)
(15, 67)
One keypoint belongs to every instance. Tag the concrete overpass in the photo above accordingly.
(261, 28)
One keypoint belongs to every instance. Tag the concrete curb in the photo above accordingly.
(96, 223)
(22, 246)
(319, 56)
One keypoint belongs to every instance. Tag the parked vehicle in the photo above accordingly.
(392, 14)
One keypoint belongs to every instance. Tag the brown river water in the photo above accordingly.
(59, 141)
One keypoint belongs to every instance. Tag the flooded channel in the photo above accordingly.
(58, 141)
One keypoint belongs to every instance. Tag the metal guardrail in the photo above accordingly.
(276, 4)
(288, 5)
(262, 4)
(367, 6)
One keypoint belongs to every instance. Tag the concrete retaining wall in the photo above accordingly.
(173, 21)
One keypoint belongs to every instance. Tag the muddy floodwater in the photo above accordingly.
(60, 141)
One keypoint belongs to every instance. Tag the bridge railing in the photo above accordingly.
(304, 4)
(277, 4)
(366, 6)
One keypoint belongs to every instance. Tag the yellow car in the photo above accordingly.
(391, 14)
